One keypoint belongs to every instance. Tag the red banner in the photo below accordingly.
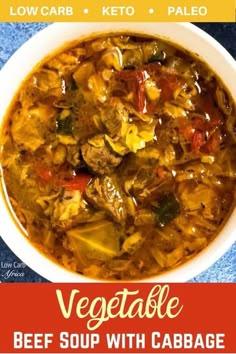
(119, 317)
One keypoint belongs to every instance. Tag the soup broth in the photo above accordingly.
(119, 156)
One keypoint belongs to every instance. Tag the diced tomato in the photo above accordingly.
(61, 177)
(168, 83)
(154, 68)
(199, 123)
(160, 172)
(78, 182)
(198, 139)
(150, 107)
(213, 144)
(135, 80)
(201, 134)
(188, 132)
(205, 126)
(207, 106)
(166, 79)
(44, 174)
(139, 100)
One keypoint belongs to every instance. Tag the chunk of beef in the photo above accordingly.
(113, 115)
(138, 171)
(100, 160)
(106, 194)
(86, 123)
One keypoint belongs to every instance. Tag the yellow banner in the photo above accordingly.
(117, 10)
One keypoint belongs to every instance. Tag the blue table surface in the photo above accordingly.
(12, 35)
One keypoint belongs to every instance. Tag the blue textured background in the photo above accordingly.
(12, 35)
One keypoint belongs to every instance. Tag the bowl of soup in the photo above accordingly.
(118, 152)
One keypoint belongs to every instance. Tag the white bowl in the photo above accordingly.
(53, 37)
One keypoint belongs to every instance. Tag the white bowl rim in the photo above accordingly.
(58, 33)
